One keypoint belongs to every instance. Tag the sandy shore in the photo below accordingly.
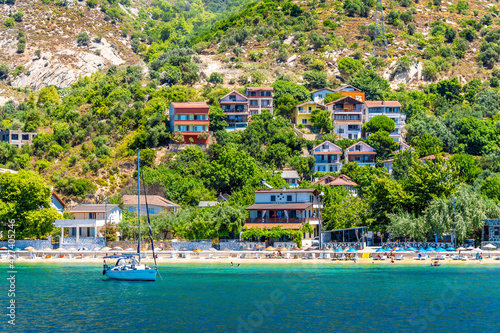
(227, 260)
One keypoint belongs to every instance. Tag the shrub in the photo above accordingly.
(21, 47)
(4, 70)
(18, 17)
(92, 3)
(9, 22)
(82, 39)
(348, 66)
(38, 53)
(216, 78)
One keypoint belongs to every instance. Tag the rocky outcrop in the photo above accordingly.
(65, 67)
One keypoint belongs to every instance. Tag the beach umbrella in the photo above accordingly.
(312, 248)
(296, 248)
(352, 250)
(3, 248)
(157, 249)
(411, 249)
(117, 248)
(60, 249)
(477, 250)
(339, 249)
(259, 246)
(95, 248)
(283, 249)
(270, 248)
(400, 250)
(16, 249)
(184, 249)
(248, 248)
(440, 249)
(381, 250)
(32, 249)
(451, 248)
(226, 249)
(83, 249)
(489, 246)
(197, 250)
(47, 249)
(28, 248)
(169, 249)
(461, 248)
(470, 248)
(431, 249)
(106, 248)
(72, 249)
(213, 249)
(144, 249)
(422, 250)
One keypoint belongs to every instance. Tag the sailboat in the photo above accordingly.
(127, 266)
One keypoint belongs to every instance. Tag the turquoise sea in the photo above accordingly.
(257, 298)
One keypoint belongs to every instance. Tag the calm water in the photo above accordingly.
(301, 298)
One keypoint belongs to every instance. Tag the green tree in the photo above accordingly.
(350, 212)
(379, 123)
(330, 97)
(382, 143)
(427, 144)
(217, 119)
(467, 167)
(216, 78)
(285, 104)
(371, 83)
(298, 92)
(322, 120)
(48, 95)
(25, 201)
(348, 66)
(315, 79)
(490, 187)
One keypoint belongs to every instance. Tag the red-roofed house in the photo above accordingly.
(156, 204)
(235, 107)
(361, 153)
(391, 109)
(340, 180)
(191, 120)
(347, 117)
(260, 98)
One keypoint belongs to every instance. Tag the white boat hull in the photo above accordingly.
(132, 275)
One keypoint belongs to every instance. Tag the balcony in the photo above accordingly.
(325, 160)
(281, 220)
(359, 110)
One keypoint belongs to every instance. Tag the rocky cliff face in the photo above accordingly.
(53, 30)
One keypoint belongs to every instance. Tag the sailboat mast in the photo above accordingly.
(139, 202)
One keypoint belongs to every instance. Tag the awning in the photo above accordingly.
(294, 226)
(280, 206)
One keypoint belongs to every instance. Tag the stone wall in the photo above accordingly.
(37, 244)
(133, 244)
(235, 246)
(192, 245)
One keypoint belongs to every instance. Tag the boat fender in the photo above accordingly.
(103, 272)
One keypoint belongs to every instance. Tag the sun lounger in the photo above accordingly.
(71, 256)
(464, 258)
(257, 256)
(326, 256)
(321, 256)
(497, 258)
(287, 255)
(173, 256)
(383, 258)
(400, 257)
(243, 256)
(4, 256)
(456, 257)
(186, 256)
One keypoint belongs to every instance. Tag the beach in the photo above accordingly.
(222, 257)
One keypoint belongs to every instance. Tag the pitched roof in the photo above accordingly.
(347, 86)
(290, 174)
(340, 180)
(315, 91)
(93, 208)
(342, 98)
(329, 143)
(310, 102)
(189, 105)
(234, 91)
(155, 200)
(58, 198)
(375, 104)
(359, 142)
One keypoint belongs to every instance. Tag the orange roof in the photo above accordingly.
(294, 226)
(340, 180)
(54, 194)
(374, 104)
(362, 152)
(189, 105)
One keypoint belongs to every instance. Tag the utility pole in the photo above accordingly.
(319, 197)
(379, 37)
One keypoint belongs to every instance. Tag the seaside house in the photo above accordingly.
(156, 204)
(340, 180)
(491, 232)
(83, 228)
(361, 153)
(347, 117)
(302, 113)
(291, 177)
(260, 98)
(17, 137)
(327, 157)
(235, 107)
(288, 208)
(191, 120)
(391, 109)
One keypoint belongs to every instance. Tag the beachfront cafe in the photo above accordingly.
(358, 237)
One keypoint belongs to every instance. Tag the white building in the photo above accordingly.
(327, 157)
(288, 208)
(318, 96)
(291, 177)
(361, 153)
(391, 109)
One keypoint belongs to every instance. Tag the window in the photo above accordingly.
(15, 136)
(183, 128)
(357, 148)
(353, 127)
(300, 108)
(341, 130)
(199, 117)
(92, 216)
(25, 137)
(268, 94)
(310, 108)
(254, 103)
(182, 117)
(320, 96)
(288, 198)
(273, 198)
(151, 210)
(232, 98)
(304, 121)
(325, 146)
(198, 128)
(253, 94)
(266, 103)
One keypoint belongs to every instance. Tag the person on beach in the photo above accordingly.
(238, 265)
(231, 264)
